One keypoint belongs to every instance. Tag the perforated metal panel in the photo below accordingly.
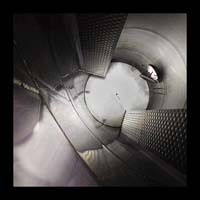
(161, 131)
(99, 34)
(133, 124)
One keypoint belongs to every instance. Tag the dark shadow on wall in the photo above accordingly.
(27, 107)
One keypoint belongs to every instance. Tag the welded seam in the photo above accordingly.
(43, 83)
(161, 36)
(106, 147)
(46, 104)
(25, 86)
(122, 124)
(89, 109)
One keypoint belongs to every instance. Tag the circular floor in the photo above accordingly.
(121, 90)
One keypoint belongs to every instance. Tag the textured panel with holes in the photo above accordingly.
(132, 125)
(162, 132)
(99, 34)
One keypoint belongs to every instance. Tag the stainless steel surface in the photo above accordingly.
(121, 90)
(77, 92)
(158, 39)
(99, 152)
(161, 131)
(99, 34)
(47, 159)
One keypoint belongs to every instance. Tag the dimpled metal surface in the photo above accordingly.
(99, 34)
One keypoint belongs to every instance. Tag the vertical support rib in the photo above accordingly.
(99, 34)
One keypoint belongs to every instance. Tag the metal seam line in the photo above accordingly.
(25, 86)
(108, 149)
(99, 140)
(89, 109)
(61, 81)
(54, 59)
(44, 101)
(45, 84)
(71, 101)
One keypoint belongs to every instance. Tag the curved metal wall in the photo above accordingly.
(158, 39)
(107, 154)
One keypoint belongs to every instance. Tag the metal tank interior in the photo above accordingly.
(100, 100)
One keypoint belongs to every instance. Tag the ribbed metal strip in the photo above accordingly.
(132, 125)
(161, 131)
(99, 34)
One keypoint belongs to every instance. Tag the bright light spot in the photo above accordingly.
(36, 128)
(152, 72)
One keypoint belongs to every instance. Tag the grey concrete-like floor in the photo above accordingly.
(121, 90)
